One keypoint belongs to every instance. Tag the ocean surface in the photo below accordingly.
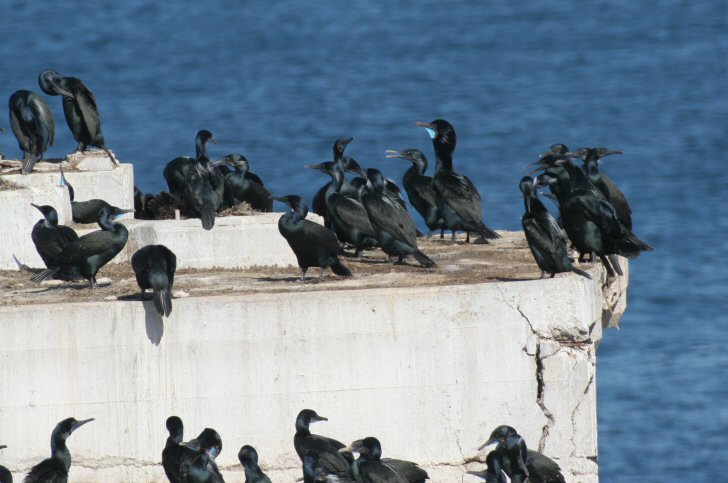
(280, 81)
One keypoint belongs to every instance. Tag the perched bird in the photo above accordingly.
(459, 200)
(173, 452)
(154, 267)
(87, 211)
(390, 187)
(199, 466)
(319, 200)
(326, 450)
(83, 257)
(419, 189)
(49, 237)
(313, 471)
(248, 457)
(394, 228)
(55, 469)
(545, 238)
(347, 216)
(314, 245)
(5, 475)
(175, 173)
(239, 187)
(371, 467)
(520, 463)
(79, 107)
(204, 189)
(33, 126)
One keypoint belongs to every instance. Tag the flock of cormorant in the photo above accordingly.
(364, 212)
(322, 458)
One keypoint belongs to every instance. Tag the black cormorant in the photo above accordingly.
(394, 228)
(326, 450)
(33, 126)
(83, 257)
(369, 468)
(204, 188)
(419, 189)
(87, 211)
(313, 244)
(318, 204)
(5, 475)
(239, 187)
(347, 215)
(520, 463)
(173, 452)
(154, 267)
(175, 173)
(79, 107)
(248, 457)
(460, 202)
(49, 237)
(313, 471)
(546, 239)
(55, 469)
(198, 465)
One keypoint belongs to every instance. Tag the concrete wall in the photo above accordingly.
(429, 371)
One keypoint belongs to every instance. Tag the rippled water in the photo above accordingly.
(279, 82)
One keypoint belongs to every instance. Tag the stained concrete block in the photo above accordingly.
(430, 371)
(17, 218)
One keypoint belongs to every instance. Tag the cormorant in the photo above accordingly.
(173, 452)
(369, 468)
(347, 216)
(5, 475)
(519, 462)
(419, 189)
(55, 469)
(393, 225)
(371, 465)
(79, 107)
(313, 471)
(154, 267)
(204, 189)
(83, 257)
(33, 126)
(592, 157)
(390, 187)
(175, 173)
(494, 470)
(49, 237)
(314, 245)
(87, 211)
(319, 199)
(545, 238)
(326, 450)
(248, 457)
(240, 187)
(459, 200)
(198, 465)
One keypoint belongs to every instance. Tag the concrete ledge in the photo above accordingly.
(429, 370)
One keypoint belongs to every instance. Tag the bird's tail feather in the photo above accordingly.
(108, 153)
(614, 262)
(339, 269)
(487, 233)
(21, 266)
(581, 272)
(424, 260)
(163, 301)
(43, 275)
(28, 163)
(207, 216)
(631, 246)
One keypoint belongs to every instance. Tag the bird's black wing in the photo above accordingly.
(86, 103)
(49, 470)
(423, 186)
(254, 178)
(327, 450)
(391, 218)
(45, 126)
(411, 471)
(459, 192)
(68, 233)
(379, 472)
(352, 212)
(318, 235)
(543, 468)
(87, 245)
(171, 264)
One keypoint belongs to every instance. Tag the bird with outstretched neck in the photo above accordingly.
(325, 450)
(347, 216)
(55, 469)
(318, 205)
(419, 189)
(48, 236)
(87, 211)
(5, 475)
(83, 257)
(175, 172)
(154, 267)
(32, 123)
(80, 109)
(393, 226)
(520, 463)
(248, 457)
(241, 185)
(313, 244)
(545, 238)
(204, 187)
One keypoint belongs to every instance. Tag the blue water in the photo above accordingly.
(279, 82)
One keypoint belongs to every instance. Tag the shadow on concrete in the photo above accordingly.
(154, 322)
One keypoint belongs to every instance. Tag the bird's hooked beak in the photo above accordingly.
(37, 207)
(391, 153)
(429, 127)
(318, 418)
(78, 424)
(360, 172)
(212, 140)
(282, 199)
(354, 447)
(488, 443)
(314, 166)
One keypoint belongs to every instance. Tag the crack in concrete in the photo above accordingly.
(576, 408)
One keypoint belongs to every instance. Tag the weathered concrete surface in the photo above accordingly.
(428, 369)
